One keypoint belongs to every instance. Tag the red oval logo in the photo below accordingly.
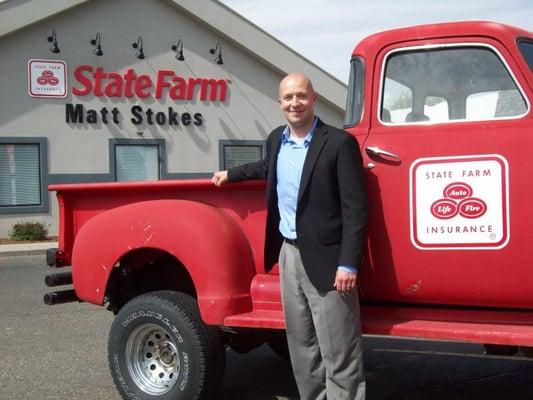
(472, 208)
(47, 78)
(444, 209)
(457, 191)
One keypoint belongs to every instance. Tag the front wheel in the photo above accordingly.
(159, 348)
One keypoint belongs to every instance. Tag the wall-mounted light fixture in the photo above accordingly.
(178, 48)
(53, 39)
(218, 58)
(138, 45)
(96, 42)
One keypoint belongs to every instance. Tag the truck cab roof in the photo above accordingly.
(374, 43)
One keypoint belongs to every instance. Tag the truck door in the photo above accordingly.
(448, 158)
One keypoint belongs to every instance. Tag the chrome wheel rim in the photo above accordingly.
(152, 359)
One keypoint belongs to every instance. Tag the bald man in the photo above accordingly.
(316, 217)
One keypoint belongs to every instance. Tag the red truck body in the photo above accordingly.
(216, 234)
(448, 252)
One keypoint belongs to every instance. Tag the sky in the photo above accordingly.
(326, 31)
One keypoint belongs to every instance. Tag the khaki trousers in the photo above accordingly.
(324, 334)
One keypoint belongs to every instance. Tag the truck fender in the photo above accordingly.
(205, 239)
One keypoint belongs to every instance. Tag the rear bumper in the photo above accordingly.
(54, 259)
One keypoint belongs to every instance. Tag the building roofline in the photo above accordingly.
(19, 14)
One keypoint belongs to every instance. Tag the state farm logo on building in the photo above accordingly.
(47, 78)
(459, 202)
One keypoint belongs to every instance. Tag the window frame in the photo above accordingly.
(237, 142)
(43, 207)
(519, 42)
(354, 110)
(429, 47)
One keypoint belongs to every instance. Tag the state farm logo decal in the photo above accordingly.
(47, 78)
(459, 202)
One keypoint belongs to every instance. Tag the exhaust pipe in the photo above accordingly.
(58, 279)
(60, 297)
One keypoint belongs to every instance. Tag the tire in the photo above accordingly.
(159, 348)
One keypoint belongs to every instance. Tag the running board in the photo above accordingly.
(504, 327)
(266, 319)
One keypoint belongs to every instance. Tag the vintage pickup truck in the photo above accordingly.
(443, 116)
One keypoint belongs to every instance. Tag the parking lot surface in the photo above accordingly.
(59, 353)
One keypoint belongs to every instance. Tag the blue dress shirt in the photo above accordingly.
(290, 164)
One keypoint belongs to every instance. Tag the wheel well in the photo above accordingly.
(146, 270)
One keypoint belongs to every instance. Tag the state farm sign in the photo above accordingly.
(460, 202)
(47, 78)
(166, 83)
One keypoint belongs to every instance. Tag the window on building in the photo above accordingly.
(238, 152)
(442, 84)
(136, 162)
(20, 175)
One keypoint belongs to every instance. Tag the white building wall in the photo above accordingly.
(249, 112)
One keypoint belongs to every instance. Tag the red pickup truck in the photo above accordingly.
(443, 116)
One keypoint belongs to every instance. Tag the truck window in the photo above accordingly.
(354, 101)
(397, 98)
(443, 84)
(526, 48)
(440, 105)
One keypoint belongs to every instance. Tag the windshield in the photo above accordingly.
(526, 48)
(354, 102)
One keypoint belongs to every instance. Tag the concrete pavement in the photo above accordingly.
(24, 248)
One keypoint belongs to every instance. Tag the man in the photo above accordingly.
(316, 215)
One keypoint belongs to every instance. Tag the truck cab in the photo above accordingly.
(442, 113)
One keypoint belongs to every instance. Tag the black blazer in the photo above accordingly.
(331, 211)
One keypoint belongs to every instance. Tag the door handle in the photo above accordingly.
(376, 151)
